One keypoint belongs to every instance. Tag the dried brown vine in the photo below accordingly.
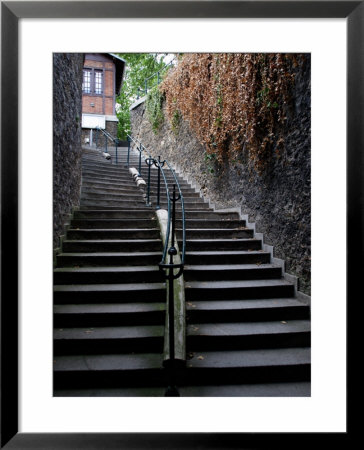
(234, 102)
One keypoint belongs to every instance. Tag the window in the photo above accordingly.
(92, 81)
(98, 82)
(86, 85)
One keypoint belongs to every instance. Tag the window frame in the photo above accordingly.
(93, 71)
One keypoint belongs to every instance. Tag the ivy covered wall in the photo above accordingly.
(272, 186)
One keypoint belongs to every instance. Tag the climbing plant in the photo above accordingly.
(235, 102)
(139, 66)
(153, 107)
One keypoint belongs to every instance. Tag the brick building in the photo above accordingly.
(102, 80)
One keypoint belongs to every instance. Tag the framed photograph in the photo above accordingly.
(31, 32)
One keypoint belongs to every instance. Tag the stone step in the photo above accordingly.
(89, 188)
(109, 293)
(135, 196)
(252, 366)
(237, 290)
(194, 204)
(216, 368)
(215, 233)
(104, 275)
(125, 179)
(145, 213)
(216, 311)
(211, 224)
(227, 257)
(82, 371)
(98, 315)
(289, 389)
(126, 203)
(121, 171)
(112, 245)
(108, 259)
(136, 224)
(248, 335)
(132, 194)
(87, 234)
(222, 272)
(222, 244)
(106, 340)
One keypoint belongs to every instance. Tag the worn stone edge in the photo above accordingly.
(179, 301)
(66, 226)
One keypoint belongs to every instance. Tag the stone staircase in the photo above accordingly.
(247, 334)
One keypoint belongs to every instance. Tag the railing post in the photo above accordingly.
(172, 390)
(116, 150)
(127, 161)
(105, 143)
(140, 160)
(159, 183)
(149, 162)
(97, 137)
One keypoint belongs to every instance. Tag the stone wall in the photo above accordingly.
(67, 104)
(279, 202)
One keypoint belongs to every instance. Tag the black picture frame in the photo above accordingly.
(11, 12)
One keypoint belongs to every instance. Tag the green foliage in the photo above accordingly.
(139, 66)
(210, 161)
(176, 121)
(153, 108)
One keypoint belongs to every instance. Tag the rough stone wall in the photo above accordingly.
(67, 104)
(112, 128)
(279, 202)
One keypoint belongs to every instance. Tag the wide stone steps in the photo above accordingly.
(124, 233)
(231, 272)
(120, 172)
(106, 370)
(117, 213)
(105, 189)
(247, 334)
(267, 309)
(153, 233)
(247, 366)
(113, 223)
(112, 245)
(223, 244)
(121, 339)
(109, 293)
(103, 275)
(295, 389)
(106, 315)
(116, 196)
(151, 223)
(80, 259)
(119, 204)
(115, 179)
(237, 289)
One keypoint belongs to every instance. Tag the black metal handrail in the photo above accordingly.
(108, 136)
(168, 267)
(169, 249)
(160, 164)
(171, 221)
